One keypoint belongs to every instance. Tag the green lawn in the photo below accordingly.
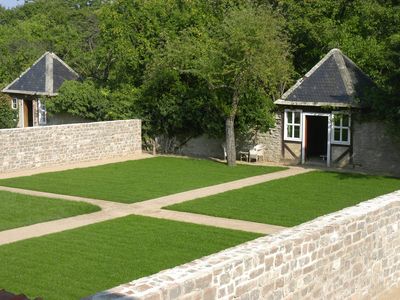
(293, 200)
(80, 262)
(18, 210)
(137, 180)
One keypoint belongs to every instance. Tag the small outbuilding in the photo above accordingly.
(40, 82)
(319, 121)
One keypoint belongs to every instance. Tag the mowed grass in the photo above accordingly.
(137, 180)
(80, 262)
(18, 210)
(292, 200)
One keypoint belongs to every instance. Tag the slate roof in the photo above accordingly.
(44, 77)
(334, 81)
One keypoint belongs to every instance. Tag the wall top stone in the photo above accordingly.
(42, 146)
(324, 231)
(49, 127)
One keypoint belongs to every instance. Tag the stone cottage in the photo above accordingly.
(40, 82)
(318, 121)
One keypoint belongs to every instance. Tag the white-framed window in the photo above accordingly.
(341, 124)
(14, 103)
(42, 112)
(292, 130)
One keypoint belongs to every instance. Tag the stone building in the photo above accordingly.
(33, 87)
(319, 121)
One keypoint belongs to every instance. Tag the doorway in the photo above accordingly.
(28, 113)
(316, 139)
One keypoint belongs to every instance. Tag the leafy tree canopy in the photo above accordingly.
(176, 63)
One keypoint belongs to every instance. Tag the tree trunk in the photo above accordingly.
(230, 140)
(230, 131)
(154, 142)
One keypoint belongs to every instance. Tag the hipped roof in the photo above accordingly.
(334, 81)
(44, 77)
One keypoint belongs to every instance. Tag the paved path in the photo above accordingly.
(152, 208)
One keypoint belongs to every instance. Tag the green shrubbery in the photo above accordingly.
(8, 116)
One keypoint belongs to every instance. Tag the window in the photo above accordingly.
(293, 125)
(42, 112)
(14, 103)
(341, 128)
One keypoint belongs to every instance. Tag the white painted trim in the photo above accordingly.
(20, 113)
(348, 143)
(29, 93)
(41, 112)
(23, 114)
(313, 103)
(303, 146)
(16, 103)
(285, 123)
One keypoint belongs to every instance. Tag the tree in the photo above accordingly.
(89, 101)
(84, 100)
(244, 59)
(8, 116)
(67, 28)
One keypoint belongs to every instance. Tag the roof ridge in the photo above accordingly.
(55, 56)
(344, 73)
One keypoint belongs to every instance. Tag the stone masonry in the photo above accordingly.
(374, 149)
(272, 141)
(350, 254)
(34, 147)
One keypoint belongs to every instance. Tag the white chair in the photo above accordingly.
(225, 154)
(257, 152)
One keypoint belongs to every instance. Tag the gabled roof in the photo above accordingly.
(44, 77)
(334, 81)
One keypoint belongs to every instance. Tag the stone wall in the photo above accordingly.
(350, 254)
(65, 118)
(272, 141)
(340, 156)
(374, 149)
(203, 146)
(33, 147)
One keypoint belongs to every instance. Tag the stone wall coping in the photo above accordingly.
(194, 272)
(65, 125)
(45, 146)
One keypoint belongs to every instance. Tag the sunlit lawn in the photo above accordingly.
(137, 180)
(18, 210)
(293, 200)
(80, 262)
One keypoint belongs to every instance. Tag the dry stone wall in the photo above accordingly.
(272, 141)
(33, 147)
(350, 254)
(374, 149)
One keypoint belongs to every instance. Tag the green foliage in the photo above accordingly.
(365, 30)
(177, 62)
(246, 53)
(8, 116)
(59, 26)
(80, 99)
(86, 100)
